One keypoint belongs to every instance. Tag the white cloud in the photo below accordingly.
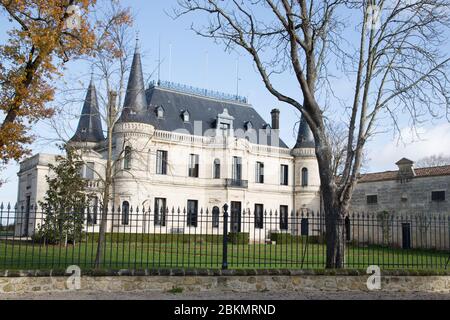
(385, 152)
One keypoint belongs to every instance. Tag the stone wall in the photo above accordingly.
(412, 197)
(222, 281)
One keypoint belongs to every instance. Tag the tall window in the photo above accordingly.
(283, 217)
(125, 213)
(92, 211)
(259, 172)
(160, 212)
(161, 162)
(192, 213)
(29, 179)
(237, 169)
(127, 158)
(193, 165)
(304, 177)
(284, 175)
(215, 217)
(225, 129)
(217, 169)
(259, 216)
(87, 171)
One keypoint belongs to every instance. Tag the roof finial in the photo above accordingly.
(138, 47)
(92, 74)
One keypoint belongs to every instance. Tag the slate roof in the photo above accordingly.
(135, 94)
(393, 175)
(201, 108)
(90, 125)
(305, 138)
(140, 106)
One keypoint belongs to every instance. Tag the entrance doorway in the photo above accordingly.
(406, 235)
(235, 216)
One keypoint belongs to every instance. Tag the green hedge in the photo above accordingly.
(155, 238)
(239, 237)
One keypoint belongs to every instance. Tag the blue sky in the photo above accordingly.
(201, 63)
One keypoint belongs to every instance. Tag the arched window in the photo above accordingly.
(217, 169)
(160, 112)
(125, 213)
(215, 217)
(248, 125)
(127, 158)
(304, 177)
(185, 115)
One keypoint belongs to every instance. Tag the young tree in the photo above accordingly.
(398, 65)
(111, 63)
(65, 201)
(112, 60)
(41, 40)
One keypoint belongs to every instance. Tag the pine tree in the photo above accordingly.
(65, 201)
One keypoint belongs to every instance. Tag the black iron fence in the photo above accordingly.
(216, 237)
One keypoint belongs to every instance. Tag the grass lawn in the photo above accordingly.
(132, 255)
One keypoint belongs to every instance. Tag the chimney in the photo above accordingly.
(275, 119)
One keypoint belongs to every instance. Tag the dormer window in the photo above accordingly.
(224, 129)
(224, 124)
(160, 112)
(185, 115)
(248, 125)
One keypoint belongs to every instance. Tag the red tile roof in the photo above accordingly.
(393, 175)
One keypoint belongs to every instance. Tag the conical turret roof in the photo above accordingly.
(135, 98)
(90, 125)
(305, 138)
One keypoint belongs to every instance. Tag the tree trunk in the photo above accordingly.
(107, 183)
(335, 238)
(334, 209)
(103, 227)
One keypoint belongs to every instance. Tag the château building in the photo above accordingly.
(179, 150)
(179, 147)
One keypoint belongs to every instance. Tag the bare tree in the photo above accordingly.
(433, 161)
(111, 61)
(398, 66)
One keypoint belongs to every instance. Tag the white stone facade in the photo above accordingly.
(140, 184)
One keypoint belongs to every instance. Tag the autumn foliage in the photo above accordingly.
(31, 60)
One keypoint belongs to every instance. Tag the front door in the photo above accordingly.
(406, 233)
(235, 216)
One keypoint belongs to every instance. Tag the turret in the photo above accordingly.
(307, 179)
(135, 99)
(305, 138)
(89, 128)
(132, 134)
